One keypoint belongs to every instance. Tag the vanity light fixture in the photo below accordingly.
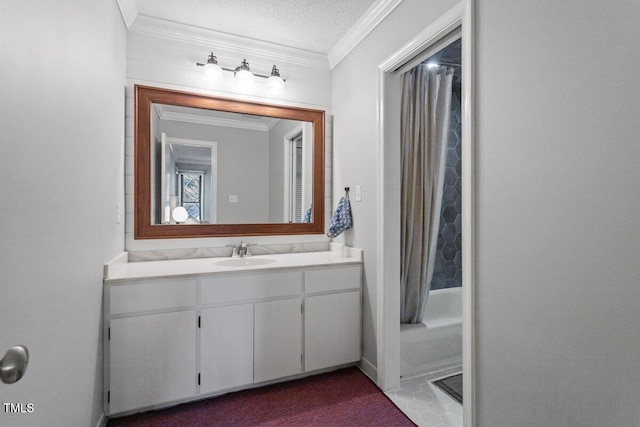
(213, 73)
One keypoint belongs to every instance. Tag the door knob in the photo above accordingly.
(14, 364)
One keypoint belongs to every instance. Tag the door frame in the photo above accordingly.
(388, 238)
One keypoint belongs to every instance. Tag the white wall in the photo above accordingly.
(355, 91)
(163, 54)
(558, 228)
(62, 78)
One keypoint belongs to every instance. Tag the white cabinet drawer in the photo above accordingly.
(224, 289)
(332, 279)
(152, 296)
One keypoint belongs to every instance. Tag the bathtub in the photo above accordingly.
(436, 344)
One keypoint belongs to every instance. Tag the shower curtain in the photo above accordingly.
(426, 101)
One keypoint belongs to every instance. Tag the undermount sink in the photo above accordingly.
(244, 262)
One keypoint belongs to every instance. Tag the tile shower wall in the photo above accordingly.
(448, 267)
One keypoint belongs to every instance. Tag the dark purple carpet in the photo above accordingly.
(341, 398)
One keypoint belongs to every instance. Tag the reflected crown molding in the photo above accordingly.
(264, 125)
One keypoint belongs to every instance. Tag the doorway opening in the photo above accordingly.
(453, 25)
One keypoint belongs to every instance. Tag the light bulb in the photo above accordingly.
(275, 84)
(244, 79)
(244, 76)
(212, 73)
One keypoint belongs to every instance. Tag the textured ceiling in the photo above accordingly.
(313, 25)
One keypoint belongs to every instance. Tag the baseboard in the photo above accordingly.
(102, 421)
(369, 369)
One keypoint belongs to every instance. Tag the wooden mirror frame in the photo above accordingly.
(143, 229)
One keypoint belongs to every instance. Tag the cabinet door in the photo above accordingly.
(278, 339)
(332, 330)
(152, 360)
(226, 347)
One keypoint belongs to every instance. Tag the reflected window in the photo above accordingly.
(191, 193)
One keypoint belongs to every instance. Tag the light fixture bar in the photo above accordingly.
(233, 70)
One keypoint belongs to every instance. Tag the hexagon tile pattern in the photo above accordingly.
(425, 404)
(447, 272)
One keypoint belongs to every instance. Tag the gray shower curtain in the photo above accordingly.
(426, 101)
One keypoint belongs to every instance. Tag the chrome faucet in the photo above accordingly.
(242, 250)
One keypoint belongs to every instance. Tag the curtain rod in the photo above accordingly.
(450, 64)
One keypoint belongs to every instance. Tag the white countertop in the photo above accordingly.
(183, 267)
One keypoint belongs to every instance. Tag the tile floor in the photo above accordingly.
(425, 404)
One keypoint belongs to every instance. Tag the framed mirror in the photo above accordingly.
(237, 168)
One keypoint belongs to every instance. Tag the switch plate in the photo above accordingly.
(358, 193)
(233, 198)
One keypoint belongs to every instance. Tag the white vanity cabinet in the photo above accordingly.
(173, 340)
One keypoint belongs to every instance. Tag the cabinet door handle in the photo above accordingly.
(14, 364)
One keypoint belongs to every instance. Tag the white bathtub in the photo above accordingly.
(436, 344)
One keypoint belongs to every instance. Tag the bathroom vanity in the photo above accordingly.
(182, 330)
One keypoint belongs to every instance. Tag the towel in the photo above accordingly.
(307, 216)
(341, 219)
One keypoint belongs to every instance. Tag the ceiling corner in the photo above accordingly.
(128, 10)
(367, 23)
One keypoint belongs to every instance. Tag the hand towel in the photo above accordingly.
(307, 216)
(341, 219)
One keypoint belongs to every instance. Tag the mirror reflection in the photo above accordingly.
(229, 168)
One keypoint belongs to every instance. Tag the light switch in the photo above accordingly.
(358, 193)
(233, 198)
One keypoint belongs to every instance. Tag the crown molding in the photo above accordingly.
(214, 40)
(128, 10)
(361, 29)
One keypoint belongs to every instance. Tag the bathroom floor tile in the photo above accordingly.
(425, 404)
